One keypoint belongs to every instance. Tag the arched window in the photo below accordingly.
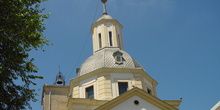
(100, 40)
(110, 38)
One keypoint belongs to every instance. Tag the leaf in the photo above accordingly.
(21, 30)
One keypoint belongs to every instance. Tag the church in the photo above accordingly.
(110, 79)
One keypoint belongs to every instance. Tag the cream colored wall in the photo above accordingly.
(106, 84)
(138, 81)
(95, 39)
(104, 28)
(75, 92)
(111, 27)
(82, 107)
(92, 81)
(55, 98)
(129, 105)
(119, 40)
(101, 84)
(104, 87)
(84, 104)
(120, 77)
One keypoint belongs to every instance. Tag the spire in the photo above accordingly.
(104, 7)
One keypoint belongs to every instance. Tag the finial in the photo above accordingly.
(104, 1)
(104, 7)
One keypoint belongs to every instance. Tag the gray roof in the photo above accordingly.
(105, 58)
(105, 17)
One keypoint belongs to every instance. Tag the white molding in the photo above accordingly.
(216, 107)
(120, 77)
(87, 83)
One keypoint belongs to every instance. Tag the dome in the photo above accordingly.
(106, 58)
(105, 16)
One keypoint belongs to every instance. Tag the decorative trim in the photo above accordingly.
(140, 93)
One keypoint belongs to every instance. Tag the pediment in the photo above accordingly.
(136, 99)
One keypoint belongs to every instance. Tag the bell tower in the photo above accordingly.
(106, 32)
(60, 79)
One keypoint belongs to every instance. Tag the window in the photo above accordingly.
(149, 91)
(100, 40)
(122, 87)
(118, 57)
(90, 92)
(110, 38)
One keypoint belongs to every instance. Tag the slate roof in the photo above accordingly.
(105, 58)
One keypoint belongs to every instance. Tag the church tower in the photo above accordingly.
(106, 32)
(111, 79)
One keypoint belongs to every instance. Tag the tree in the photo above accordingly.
(21, 28)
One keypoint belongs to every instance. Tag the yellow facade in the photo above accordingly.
(103, 82)
(55, 97)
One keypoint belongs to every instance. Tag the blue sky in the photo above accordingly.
(176, 41)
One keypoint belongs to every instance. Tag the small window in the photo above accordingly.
(100, 40)
(122, 87)
(118, 57)
(149, 91)
(110, 38)
(90, 92)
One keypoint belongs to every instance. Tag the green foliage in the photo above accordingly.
(21, 28)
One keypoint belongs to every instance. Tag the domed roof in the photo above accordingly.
(106, 57)
(105, 16)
